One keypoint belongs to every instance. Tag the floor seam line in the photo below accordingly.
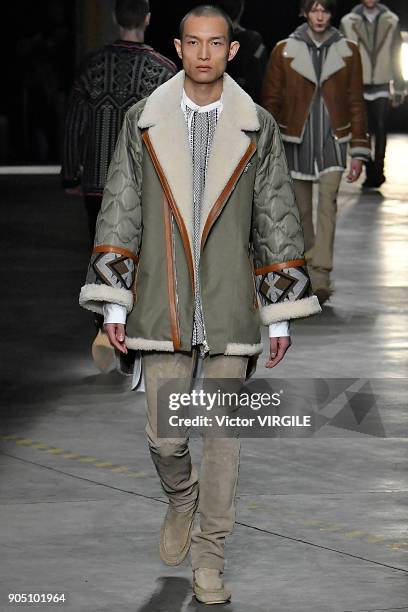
(279, 535)
(339, 552)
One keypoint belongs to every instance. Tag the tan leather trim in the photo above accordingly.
(381, 43)
(226, 192)
(172, 203)
(293, 263)
(107, 248)
(171, 277)
(255, 304)
(361, 37)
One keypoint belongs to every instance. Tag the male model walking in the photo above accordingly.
(248, 67)
(199, 208)
(377, 32)
(112, 79)
(313, 87)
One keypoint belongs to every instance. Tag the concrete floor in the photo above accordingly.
(321, 523)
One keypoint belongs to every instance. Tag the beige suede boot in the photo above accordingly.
(208, 586)
(175, 535)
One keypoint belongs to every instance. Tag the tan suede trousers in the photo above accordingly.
(217, 486)
(319, 245)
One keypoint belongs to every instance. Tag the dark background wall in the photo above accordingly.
(42, 42)
(273, 18)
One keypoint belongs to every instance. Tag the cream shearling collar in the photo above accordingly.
(164, 118)
(166, 99)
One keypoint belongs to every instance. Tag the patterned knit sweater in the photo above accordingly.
(111, 80)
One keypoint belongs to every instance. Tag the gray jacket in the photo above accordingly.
(381, 61)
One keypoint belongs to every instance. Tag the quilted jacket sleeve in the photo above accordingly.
(114, 259)
(278, 249)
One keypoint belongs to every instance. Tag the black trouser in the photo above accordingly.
(377, 111)
(92, 205)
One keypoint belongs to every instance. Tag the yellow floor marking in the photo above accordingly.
(374, 539)
(399, 546)
(341, 529)
(371, 538)
(355, 534)
(55, 450)
(331, 528)
(254, 504)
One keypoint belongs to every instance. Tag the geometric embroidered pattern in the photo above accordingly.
(112, 269)
(111, 80)
(287, 284)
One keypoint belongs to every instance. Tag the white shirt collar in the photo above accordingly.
(186, 102)
(371, 15)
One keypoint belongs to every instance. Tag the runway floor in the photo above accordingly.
(321, 522)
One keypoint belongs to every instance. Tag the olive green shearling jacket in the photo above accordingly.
(252, 267)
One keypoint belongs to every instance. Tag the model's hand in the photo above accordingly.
(75, 191)
(278, 348)
(397, 100)
(116, 335)
(356, 167)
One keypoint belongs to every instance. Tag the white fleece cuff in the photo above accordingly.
(282, 311)
(93, 296)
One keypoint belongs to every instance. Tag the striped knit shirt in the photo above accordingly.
(201, 123)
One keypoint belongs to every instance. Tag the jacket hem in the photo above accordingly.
(243, 350)
(143, 344)
(290, 310)
(93, 296)
(344, 139)
(293, 139)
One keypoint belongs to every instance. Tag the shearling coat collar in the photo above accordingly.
(387, 20)
(302, 62)
(164, 119)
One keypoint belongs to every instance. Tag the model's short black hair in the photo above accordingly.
(233, 8)
(208, 10)
(130, 14)
(307, 5)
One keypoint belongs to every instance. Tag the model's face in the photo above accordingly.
(370, 4)
(318, 18)
(204, 48)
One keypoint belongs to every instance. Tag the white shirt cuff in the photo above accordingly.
(114, 313)
(277, 330)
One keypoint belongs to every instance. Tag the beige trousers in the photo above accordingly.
(319, 245)
(217, 486)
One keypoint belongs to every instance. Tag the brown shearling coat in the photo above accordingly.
(290, 85)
